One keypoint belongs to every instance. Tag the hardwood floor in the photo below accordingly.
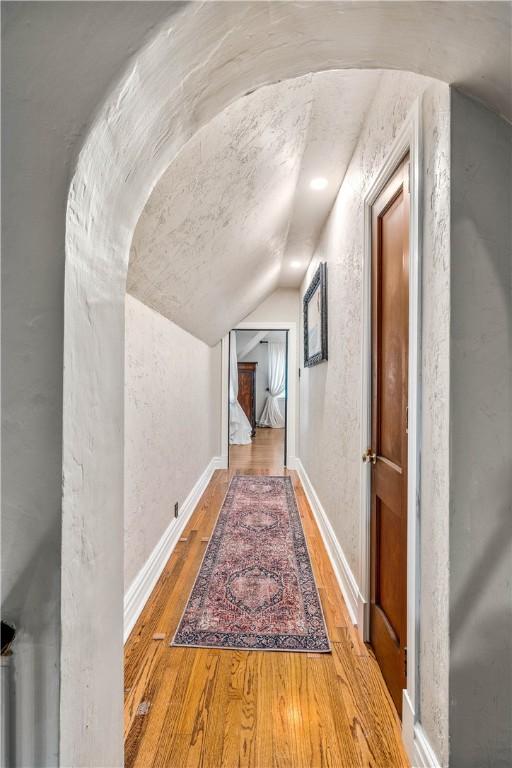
(265, 452)
(188, 707)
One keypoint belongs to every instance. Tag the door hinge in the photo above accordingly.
(405, 662)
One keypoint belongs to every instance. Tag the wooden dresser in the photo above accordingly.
(247, 391)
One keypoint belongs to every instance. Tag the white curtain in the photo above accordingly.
(271, 415)
(239, 425)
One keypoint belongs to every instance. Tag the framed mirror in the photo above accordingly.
(315, 318)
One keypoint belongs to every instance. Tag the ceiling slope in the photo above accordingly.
(234, 216)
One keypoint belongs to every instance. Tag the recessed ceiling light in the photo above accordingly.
(295, 264)
(319, 183)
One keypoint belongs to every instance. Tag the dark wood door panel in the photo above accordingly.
(388, 485)
(388, 596)
(390, 381)
(389, 658)
(390, 342)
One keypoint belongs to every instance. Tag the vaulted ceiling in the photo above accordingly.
(234, 215)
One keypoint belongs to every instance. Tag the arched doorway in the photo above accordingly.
(185, 76)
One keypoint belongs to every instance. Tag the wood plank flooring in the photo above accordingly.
(189, 707)
(265, 452)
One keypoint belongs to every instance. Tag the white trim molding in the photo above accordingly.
(224, 409)
(342, 570)
(409, 140)
(291, 401)
(417, 745)
(423, 754)
(140, 589)
(416, 742)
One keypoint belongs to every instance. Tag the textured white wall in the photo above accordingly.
(200, 255)
(434, 470)
(330, 393)
(172, 424)
(280, 306)
(480, 438)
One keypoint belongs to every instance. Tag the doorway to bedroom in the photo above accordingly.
(257, 399)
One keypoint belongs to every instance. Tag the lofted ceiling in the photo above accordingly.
(234, 217)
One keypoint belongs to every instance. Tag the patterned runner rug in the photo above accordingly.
(255, 588)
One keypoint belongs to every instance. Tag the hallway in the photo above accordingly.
(207, 707)
(251, 249)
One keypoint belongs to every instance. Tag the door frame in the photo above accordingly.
(291, 394)
(409, 140)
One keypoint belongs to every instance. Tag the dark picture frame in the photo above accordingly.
(315, 318)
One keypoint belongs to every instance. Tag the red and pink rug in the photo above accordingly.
(255, 588)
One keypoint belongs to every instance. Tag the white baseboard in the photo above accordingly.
(346, 580)
(139, 591)
(423, 756)
(292, 462)
(417, 745)
(222, 462)
(408, 723)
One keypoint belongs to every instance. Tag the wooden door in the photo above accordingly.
(388, 455)
(247, 391)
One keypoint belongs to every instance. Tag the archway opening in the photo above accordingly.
(177, 84)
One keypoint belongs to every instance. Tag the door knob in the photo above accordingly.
(369, 457)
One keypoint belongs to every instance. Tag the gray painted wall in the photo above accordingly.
(58, 60)
(480, 438)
